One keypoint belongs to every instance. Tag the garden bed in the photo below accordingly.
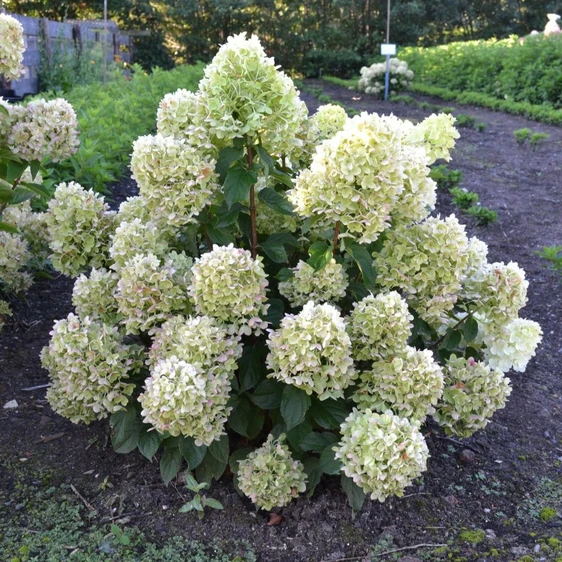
(494, 506)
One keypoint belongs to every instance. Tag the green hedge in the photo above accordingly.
(528, 71)
(112, 116)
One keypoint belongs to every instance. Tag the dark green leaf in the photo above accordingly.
(215, 461)
(21, 194)
(220, 236)
(267, 394)
(34, 168)
(294, 405)
(329, 414)
(127, 428)
(265, 159)
(4, 226)
(240, 415)
(284, 274)
(364, 261)
(170, 464)
(227, 156)
(358, 290)
(281, 177)
(149, 441)
(452, 340)
(250, 367)
(328, 462)
(317, 442)
(314, 474)
(320, 255)
(276, 201)
(471, 352)
(298, 434)
(15, 170)
(38, 188)
(6, 193)
(274, 250)
(228, 217)
(237, 456)
(257, 419)
(237, 185)
(355, 495)
(470, 329)
(192, 453)
(275, 312)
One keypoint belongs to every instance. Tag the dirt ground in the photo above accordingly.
(502, 505)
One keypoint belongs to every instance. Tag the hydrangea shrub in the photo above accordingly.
(373, 77)
(28, 134)
(278, 298)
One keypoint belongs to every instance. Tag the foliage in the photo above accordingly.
(105, 148)
(28, 135)
(343, 63)
(522, 135)
(373, 78)
(537, 139)
(230, 364)
(483, 215)
(463, 198)
(464, 120)
(446, 178)
(199, 502)
(553, 254)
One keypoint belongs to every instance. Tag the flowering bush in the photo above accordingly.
(373, 77)
(28, 134)
(288, 306)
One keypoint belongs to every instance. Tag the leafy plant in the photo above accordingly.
(445, 177)
(537, 139)
(464, 120)
(554, 255)
(483, 215)
(463, 198)
(270, 303)
(522, 135)
(199, 502)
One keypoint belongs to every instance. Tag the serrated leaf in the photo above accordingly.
(452, 340)
(294, 405)
(237, 456)
(237, 185)
(284, 274)
(281, 177)
(220, 236)
(275, 312)
(296, 435)
(265, 160)
(250, 367)
(192, 453)
(15, 170)
(329, 414)
(355, 495)
(267, 394)
(213, 504)
(276, 201)
(317, 441)
(127, 429)
(358, 290)
(228, 217)
(227, 156)
(364, 261)
(21, 194)
(470, 329)
(328, 463)
(170, 464)
(320, 255)
(215, 461)
(149, 441)
(274, 250)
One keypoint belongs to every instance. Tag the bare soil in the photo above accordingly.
(499, 495)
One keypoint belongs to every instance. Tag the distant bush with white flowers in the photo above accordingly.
(373, 77)
(278, 298)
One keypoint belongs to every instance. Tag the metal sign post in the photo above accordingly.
(387, 50)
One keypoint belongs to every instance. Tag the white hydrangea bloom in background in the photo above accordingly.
(12, 47)
(307, 284)
(89, 366)
(379, 326)
(45, 128)
(382, 453)
(312, 351)
(228, 284)
(183, 400)
(409, 384)
(437, 134)
(471, 395)
(14, 256)
(270, 476)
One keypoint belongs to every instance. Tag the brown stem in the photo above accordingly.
(336, 236)
(254, 241)
(207, 238)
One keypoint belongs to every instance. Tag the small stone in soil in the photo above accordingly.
(466, 456)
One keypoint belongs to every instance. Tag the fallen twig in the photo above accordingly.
(84, 500)
(386, 552)
(49, 438)
(465, 445)
(38, 387)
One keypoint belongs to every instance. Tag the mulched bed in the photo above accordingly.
(497, 491)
